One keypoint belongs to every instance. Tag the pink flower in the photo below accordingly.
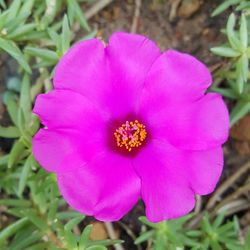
(126, 122)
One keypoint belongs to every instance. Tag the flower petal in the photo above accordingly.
(106, 188)
(204, 169)
(164, 182)
(130, 58)
(69, 110)
(116, 73)
(178, 77)
(64, 150)
(84, 65)
(199, 125)
(170, 177)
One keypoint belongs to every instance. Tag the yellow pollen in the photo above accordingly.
(130, 135)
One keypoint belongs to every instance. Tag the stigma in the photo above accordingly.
(130, 135)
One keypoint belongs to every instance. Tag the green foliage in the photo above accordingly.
(237, 49)
(175, 234)
(37, 33)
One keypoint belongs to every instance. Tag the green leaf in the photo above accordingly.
(74, 10)
(73, 222)
(239, 110)
(225, 51)
(226, 92)
(45, 54)
(66, 35)
(84, 239)
(26, 6)
(21, 31)
(243, 6)
(25, 98)
(9, 132)
(13, 9)
(243, 31)
(96, 248)
(231, 35)
(15, 153)
(225, 5)
(144, 220)
(53, 209)
(247, 240)
(12, 107)
(36, 220)
(15, 202)
(144, 236)
(11, 48)
(24, 175)
(12, 229)
(242, 72)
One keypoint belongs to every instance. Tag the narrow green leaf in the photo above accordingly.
(13, 9)
(15, 202)
(53, 209)
(55, 37)
(225, 5)
(15, 23)
(15, 153)
(12, 229)
(84, 239)
(26, 6)
(36, 220)
(96, 248)
(66, 35)
(231, 35)
(145, 221)
(78, 14)
(144, 236)
(243, 31)
(21, 31)
(225, 51)
(239, 110)
(25, 98)
(243, 6)
(218, 221)
(73, 222)
(12, 107)
(24, 176)
(242, 72)
(45, 54)
(226, 92)
(247, 240)
(67, 215)
(3, 19)
(9, 132)
(11, 48)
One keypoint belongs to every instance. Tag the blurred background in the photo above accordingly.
(34, 34)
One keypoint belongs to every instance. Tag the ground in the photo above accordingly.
(185, 25)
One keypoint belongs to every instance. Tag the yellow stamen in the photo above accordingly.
(130, 135)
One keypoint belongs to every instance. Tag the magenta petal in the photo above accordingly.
(107, 187)
(68, 109)
(198, 125)
(84, 65)
(165, 186)
(116, 73)
(178, 77)
(64, 150)
(204, 169)
(130, 58)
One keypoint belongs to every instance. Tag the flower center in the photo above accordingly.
(130, 135)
